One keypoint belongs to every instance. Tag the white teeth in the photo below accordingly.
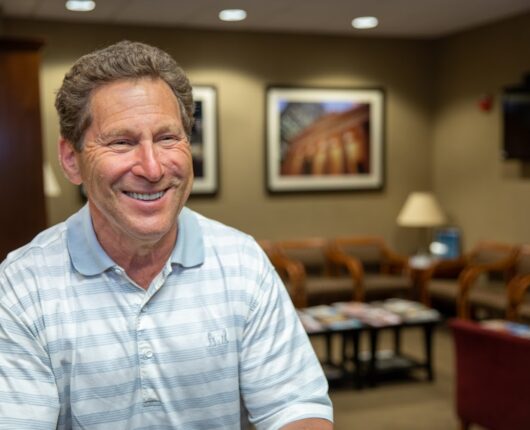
(148, 197)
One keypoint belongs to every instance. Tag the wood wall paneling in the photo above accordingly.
(22, 212)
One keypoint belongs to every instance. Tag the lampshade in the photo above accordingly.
(421, 209)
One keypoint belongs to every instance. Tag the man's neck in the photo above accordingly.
(143, 267)
(141, 260)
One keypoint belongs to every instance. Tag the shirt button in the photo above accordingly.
(148, 353)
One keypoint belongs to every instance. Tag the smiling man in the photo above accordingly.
(136, 312)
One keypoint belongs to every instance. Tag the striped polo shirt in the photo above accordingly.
(212, 341)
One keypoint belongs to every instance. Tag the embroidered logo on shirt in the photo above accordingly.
(217, 337)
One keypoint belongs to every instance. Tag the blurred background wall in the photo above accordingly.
(436, 137)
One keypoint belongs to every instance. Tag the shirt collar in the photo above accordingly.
(189, 250)
(89, 258)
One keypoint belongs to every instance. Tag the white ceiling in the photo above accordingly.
(398, 18)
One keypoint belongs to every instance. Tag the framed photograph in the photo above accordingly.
(204, 142)
(324, 139)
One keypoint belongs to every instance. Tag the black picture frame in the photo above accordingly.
(205, 141)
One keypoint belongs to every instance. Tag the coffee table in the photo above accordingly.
(349, 321)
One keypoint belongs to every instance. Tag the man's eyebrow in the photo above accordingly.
(169, 129)
(113, 134)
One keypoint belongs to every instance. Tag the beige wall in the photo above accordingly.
(241, 65)
(487, 197)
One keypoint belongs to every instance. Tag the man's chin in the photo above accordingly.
(151, 235)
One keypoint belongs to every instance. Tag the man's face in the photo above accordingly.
(136, 162)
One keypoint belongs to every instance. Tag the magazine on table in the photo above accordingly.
(320, 317)
(368, 314)
(408, 310)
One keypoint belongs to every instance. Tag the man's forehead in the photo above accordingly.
(141, 94)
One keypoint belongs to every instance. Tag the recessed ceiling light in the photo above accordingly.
(232, 15)
(364, 22)
(80, 5)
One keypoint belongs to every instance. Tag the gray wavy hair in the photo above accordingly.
(123, 60)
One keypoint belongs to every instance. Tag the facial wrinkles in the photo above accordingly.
(137, 132)
(138, 122)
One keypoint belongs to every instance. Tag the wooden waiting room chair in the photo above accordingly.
(319, 284)
(377, 270)
(519, 288)
(482, 279)
(290, 271)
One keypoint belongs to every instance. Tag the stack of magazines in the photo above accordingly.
(321, 317)
(347, 315)
(408, 310)
(374, 316)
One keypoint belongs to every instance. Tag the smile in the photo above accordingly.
(145, 197)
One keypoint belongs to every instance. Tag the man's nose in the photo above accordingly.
(148, 162)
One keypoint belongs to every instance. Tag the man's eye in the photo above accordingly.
(120, 142)
(168, 139)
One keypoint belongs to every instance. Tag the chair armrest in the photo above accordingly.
(517, 289)
(354, 267)
(465, 281)
(393, 261)
(295, 273)
(468, 277)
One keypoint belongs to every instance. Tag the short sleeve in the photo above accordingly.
(281, 378)
(28, 393)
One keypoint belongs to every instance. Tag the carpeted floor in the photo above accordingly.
(407, 403)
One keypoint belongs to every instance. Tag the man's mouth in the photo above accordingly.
(145, 196)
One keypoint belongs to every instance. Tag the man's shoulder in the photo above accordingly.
(217, 229)
(43, 248)
(221, 239)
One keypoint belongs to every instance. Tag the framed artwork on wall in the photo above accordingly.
(324, 139)
(204, 141)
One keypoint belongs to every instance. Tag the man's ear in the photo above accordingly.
(68, 158)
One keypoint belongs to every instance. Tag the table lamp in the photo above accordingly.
(421, 210)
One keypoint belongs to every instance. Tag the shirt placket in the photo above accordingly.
(145, 348)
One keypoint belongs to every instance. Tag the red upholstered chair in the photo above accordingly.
(492, 377)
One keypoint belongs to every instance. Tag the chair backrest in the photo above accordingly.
(492, 377)
(310, 252)
(371, 251)
(489, 252)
